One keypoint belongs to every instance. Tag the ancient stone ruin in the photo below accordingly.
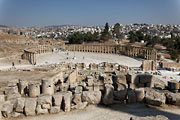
(76, 86)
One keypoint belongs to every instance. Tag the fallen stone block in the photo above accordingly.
(7, 109)
(77, 99)
(19, 105)
(57, 99)
(13, 96)
(30, 106)
(44, 99)
(120, 95)
(108, 97)
(66, 101)
(2, 98)
(78, 89)
(40, 111)
(55, 109)
(23, 87)
(139, 94)
(11, 90)
(131, 96)
(154, 97)
(173, 85)
(92, 97)
(80, 106)
(173, 98)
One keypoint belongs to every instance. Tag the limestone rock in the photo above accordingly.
(19, 105)
(108, 97)
(55, 109)
(173, 98)
(92, 97)
(120, 95)
(7, 109)
(30, 106)
(66, 103)
(76, 99)
(131, 96)
(139, 94)
(44, 99)
(39, 110)
(154, 97)
(57, 99)
(80, 106)
(2, 99)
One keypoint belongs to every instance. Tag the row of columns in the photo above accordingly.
(149, 54)
(30, 56)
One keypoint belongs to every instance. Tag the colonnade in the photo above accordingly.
(145, 53)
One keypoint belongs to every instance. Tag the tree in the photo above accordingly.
(105, 35)
(116, 31)
(76, 38)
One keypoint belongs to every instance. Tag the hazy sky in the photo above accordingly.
(88, 12)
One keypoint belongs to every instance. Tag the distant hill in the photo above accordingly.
(3, 26)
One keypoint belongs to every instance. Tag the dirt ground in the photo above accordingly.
(114, 112)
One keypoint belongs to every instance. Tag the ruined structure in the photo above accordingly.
(32, 53)
(145, 53)
(149, 65)
(75, 86)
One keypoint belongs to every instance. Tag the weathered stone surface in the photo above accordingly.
(92, 97)
(131, 86)
(132, 78)
(120, 95)
(19, 105)
(64, 87)
(145, 78)
(11, 90)
(66, 103)
(72, 77)
(30, 106)
(173, 98)
(120, 86)
(154, 97)
(108, 97)
(39, 110)
(120, 79)
(77, 99)
(46, 106)
(2, 98)
(57, 99)
(7, 109)
(158, 117)
(16, 114)
(47, 86)
(23, 86)
(139, 94)
(80, 106)
(55, 109)
(73, 85)
(44, 99)
(131, 96)
(13, 96)
(34, 90)
(173, 85)
(78, 89)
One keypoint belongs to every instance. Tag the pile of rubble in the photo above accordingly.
(75, 86)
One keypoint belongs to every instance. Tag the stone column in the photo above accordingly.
(47, 86)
